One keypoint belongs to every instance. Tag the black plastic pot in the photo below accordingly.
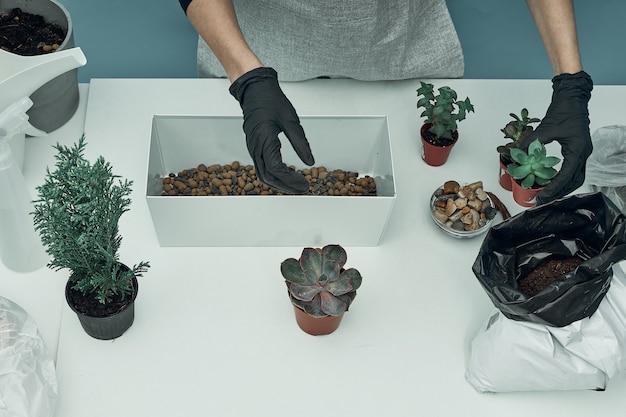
(110, 327)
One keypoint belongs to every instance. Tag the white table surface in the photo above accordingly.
(214, 332)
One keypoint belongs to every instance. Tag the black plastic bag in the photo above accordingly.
(587, 225)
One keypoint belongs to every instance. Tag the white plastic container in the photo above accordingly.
(351, 143)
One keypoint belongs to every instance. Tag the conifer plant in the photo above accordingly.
(77, 214)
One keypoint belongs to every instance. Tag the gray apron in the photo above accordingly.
(360, 39)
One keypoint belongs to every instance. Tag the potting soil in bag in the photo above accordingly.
(28, 385)
(606, 166)
(508, 355)
(588, 226)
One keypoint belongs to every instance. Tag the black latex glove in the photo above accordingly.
(266, 113)
(567, 122)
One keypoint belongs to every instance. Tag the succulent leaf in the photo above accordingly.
(542, 181)
(354, 276)
(545, 173)
(551, 161)
(304, 292)
(528, 181)
(332, 305)
(292, 271)
(331, 270)
(536, 148)
(339, 287)
(519, 156)
(312, 307)
(335, 253)
(318, 283)
(518, 171)
(311, 259)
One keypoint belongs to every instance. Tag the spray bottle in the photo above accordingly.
(21, 249)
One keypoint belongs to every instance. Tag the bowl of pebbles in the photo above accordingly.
(462, 211)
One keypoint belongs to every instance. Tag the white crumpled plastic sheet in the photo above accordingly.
(508, 355)
(28, 385)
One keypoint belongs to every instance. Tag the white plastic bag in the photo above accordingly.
(28, 385)
(508, 355)
(606, 166)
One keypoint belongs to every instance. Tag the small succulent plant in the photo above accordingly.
(516, 130)
(439, 109)
(318, 283)
(533, 167)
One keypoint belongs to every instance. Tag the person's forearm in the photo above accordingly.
(216, 23)
(557, 26)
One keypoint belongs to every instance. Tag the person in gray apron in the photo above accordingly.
(256, 43)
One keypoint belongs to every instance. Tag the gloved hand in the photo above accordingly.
(567, 122)
(266, 113)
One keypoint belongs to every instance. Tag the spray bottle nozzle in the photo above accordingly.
(14, 120)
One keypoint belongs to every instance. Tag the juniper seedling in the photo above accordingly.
(77, 214)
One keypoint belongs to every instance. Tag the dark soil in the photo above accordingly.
(87, 304)
(435, 140)
(547, 272)
(28, 34)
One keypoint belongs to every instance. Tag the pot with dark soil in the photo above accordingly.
(37, 27)
(552, 264)
(439, 132)
(108, 320)
(319, 287)
(77, 214)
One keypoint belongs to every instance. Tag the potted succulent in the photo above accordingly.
(76, 214)
(443, 112)
(319, 287)
(531, 171)
(516, 130)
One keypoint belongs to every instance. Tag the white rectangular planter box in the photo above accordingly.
(351, 143)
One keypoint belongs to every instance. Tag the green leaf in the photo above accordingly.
(519, 171)
(334, 253)
(311, 259)
(524, 114)
(528, 182)
(546, 173)
(541, 181)
(536, 148)
(331, 270)
(304, 292)
(292, 271)
(551, 161)
(339, 287)
(354, 276)
(519, 156)
(332, 305)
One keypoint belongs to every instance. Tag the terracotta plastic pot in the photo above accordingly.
(316, 326)
(525, 197)
(435, 155)
(110, 327)
(505, 177)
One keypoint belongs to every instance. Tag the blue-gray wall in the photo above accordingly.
(154, 39)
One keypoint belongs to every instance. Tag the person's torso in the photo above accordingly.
(361, 39)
